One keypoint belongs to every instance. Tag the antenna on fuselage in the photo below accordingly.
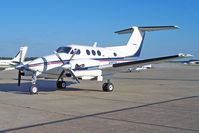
(95, 44)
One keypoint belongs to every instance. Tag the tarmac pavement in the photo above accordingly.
(164, 99)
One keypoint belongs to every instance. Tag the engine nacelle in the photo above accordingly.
(89, 75)
(26, 73)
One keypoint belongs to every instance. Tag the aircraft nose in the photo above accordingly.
(35, 65)
(21, 67)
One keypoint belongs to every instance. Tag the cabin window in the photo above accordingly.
(88, 52)
(93, 52)
(98, 52)
(63, 50)
(114, 54)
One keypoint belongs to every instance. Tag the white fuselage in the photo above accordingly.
(5, 63)
(84, 64)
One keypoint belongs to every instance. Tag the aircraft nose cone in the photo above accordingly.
(18, 66)
(21, 66)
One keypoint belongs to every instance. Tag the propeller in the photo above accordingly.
(19, 78)
(72, 73)
(58, 57)
(67, 67)
(19, 66)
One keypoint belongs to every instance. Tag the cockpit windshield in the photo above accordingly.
(63, 50)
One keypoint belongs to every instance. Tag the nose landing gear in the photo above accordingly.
(33, 89)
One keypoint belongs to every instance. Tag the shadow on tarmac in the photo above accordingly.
(43, 86)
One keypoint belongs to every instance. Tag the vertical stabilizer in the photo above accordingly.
(20, 57)
(136, 37)
(136, 40)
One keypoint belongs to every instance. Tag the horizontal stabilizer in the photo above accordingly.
(147, 29)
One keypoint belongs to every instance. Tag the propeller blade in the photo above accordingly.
(74, 53)
(61, 74)
(19, 78)
(58, 56)
(71, 72)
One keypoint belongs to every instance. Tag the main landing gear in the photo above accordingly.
(61, 84)
(108, 86)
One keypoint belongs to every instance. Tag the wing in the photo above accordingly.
(138, 63)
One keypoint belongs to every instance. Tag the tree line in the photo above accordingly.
(26, 59)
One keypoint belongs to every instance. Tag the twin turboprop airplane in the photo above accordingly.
(20, 57)
(92, 63)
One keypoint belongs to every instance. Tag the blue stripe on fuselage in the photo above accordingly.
(111, 61)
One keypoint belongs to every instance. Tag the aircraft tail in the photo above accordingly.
(138, 33)
(20, 57)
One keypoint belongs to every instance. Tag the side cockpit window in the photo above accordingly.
(78, 51)
(63, 50)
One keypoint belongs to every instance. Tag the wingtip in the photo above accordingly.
(185, 55)
(177, 27)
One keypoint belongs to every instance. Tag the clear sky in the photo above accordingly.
(44, 25)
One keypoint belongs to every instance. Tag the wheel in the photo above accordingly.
(104, 87)
(61, 84)
(108, 87)
(33, 89)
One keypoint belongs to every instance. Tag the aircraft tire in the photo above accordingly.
(104, 86)
(108, 87)
(61, 84)
(33, 89)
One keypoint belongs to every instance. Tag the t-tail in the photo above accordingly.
(134, 45)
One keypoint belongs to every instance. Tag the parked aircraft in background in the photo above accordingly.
(140, 68)
(10, 64)
(91, 63)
